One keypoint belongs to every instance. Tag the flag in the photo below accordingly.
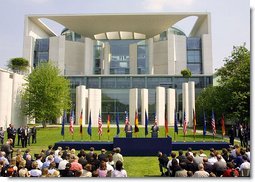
(194, 122)
(166, 124)
(223, 125)
(108, 123)
(63, 124)
(71, 122)
(204, 128)
(184, 124)
(175, 123)
(146, 124)
(126, 119)
(100, 129)
(213, 124)
(80, 122)
(136, 122)
(89, 126)
(117, 123)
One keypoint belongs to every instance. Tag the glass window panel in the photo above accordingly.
(138, 82)
(123, 82)
(195, 68)
(93, 82)
(108, 83)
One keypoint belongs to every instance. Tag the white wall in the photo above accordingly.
(81, 104)
(94, 105)
(107, 59)
(160, 57)
(185, 101)
(191, 87)
(57, 52)
(207, 54)
(133, 58)
(74, 58)
(171, 106)
(88, 57)
(28, 50)
(144, 104)
(17, 87)
(160, 105)
(133, 104)
(181, 54)
(150, 50)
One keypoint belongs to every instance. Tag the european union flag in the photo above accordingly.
(89, 127)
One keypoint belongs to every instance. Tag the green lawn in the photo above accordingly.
(135, 166)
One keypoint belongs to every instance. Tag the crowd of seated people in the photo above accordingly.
(232, 162)
(63, 163)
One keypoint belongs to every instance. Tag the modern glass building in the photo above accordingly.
(117, 52)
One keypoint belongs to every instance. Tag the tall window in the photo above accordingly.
(41, 52)
(194, 56)
(97, 58)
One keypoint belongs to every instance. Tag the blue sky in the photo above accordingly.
(230, 19)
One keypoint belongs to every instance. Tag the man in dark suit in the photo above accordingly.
(34, 132)
(128, 129)
(231, 134)
(11, 133)
(19, 134)
(7, 148)
(154, 130)
(24, 134)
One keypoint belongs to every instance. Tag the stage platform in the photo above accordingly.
(142, 146)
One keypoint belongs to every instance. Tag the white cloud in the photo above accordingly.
(159, 5)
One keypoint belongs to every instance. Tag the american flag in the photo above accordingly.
(213, 124)
(71, 122)
(126, 120)
(184, 124)
(100, 130)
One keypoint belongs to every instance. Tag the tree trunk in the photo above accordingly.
(44, 124)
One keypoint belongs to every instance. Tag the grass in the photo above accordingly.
(135, 166)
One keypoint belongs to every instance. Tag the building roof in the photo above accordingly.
(148, 25)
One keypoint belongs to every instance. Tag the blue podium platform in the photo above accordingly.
(142, 146)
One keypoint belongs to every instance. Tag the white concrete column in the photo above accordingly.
(180, 53)
(89, 56)
(28, 50)
(94, 105)
(133, 58)
(150, 49)
(160, 105)
(185, 101)
(5, 99)
(144, 104)
(17, 87)
(107, 59)
(81, 98)
(57, 52)
(191, 101)
(133, 104)
(171, 106)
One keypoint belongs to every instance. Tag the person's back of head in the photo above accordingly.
(180, 152)
(183, 165)
(173, 154)
(189, 173)
(200, 167)
(119, 165)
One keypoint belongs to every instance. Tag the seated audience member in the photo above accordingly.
(87, 171)
(201, 173)
(182, 172)
(230, 171)
(119, 171)
(102, 171)
(67, 172)
(35, 172)
(45, 173)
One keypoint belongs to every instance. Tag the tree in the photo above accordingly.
(186, 73)
(46, 94)
(232, 95)
(18, 65)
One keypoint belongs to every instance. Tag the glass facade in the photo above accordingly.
(142, 58)
(194, 55)
(41, 51)
(115, 91)
(98, 57)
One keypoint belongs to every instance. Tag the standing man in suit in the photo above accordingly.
(154, 130)
(11, 133)
(7, 148)
(34, 134)
(1, 135)
(19, 134)
(128, 130)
